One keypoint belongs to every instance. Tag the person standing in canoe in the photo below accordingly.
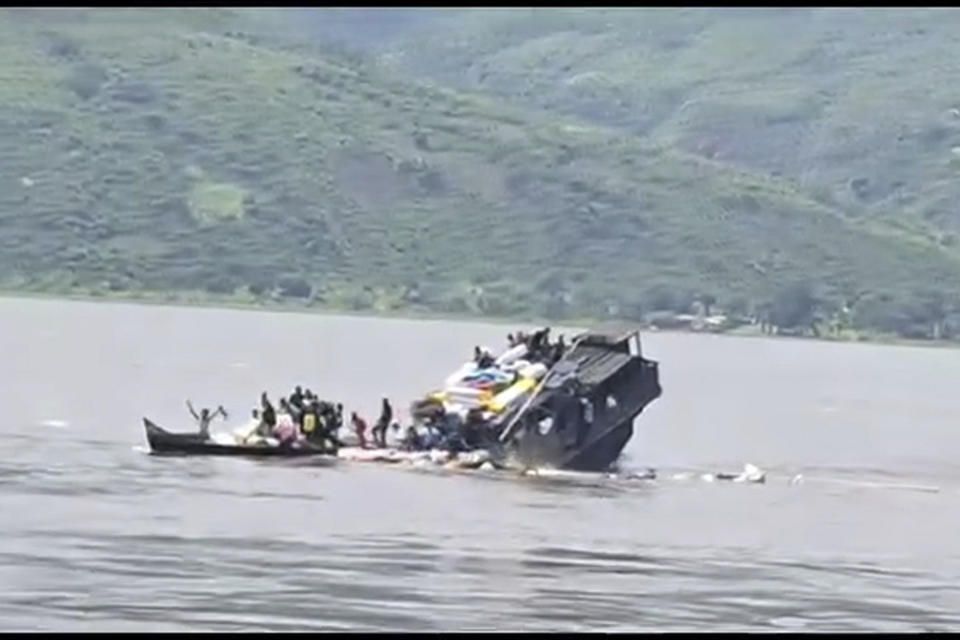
(205, 418)
(360, 427)
(267, 412)
(297, 398)
(330, 425)
(379, 430)
(310, 425)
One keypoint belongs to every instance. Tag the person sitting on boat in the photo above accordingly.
(205, 418)
(286, 430)
(251, 429)
(395, 436)
(360, 427)
(412, 440)
(471, 430)
(433, 438)
(379, 430)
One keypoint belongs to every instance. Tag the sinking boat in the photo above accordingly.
(575, 413)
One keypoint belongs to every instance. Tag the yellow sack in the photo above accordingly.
(500, 401)
(309, 423)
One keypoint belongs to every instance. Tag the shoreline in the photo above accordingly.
(196, 300)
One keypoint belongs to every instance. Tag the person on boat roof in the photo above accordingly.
(360, 426)
(486, 359)
(205, 418)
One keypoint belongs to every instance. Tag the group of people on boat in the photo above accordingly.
(304, 417)
(539, 348)
(436, 428)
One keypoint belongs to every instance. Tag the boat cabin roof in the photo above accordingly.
(595, 364)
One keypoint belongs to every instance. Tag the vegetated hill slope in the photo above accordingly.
(162, 150)
(858, 106)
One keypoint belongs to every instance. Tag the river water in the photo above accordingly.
(855, 529)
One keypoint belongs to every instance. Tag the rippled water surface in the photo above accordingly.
(855, 529)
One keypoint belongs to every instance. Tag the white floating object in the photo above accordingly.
(27, 182)
(438, 456)
(223, 438)
(511, 355)
(751, 473)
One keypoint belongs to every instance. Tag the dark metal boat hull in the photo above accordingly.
(574, 442)
(167, 443)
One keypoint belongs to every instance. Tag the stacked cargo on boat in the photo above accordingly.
(494, 388)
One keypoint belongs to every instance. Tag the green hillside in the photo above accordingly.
(857, 106)
(170, 150)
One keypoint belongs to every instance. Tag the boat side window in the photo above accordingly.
(545, 425)
(633, 345)
(587, 410)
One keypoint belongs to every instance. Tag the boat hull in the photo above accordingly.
(163, 442)
(571, 440)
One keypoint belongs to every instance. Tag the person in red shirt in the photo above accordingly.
(360, 426)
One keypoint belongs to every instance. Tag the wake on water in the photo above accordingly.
(440, 461)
